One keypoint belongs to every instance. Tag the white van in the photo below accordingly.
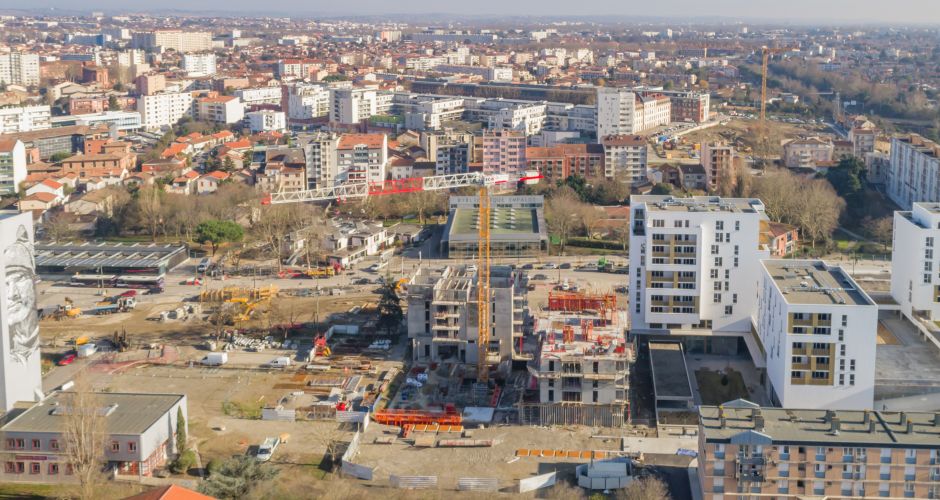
(204, 265)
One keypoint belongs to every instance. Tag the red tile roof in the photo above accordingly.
(170, 492)
(371, 141)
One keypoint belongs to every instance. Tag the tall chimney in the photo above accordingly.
(867, 417)
(910, 427)
(871, 427)
(835, 425)
(903, 419)
(721, 421)
(759, 423)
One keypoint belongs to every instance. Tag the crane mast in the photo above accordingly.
(483, 286)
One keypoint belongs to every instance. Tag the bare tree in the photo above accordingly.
(647, 488)
(564, 490)
(151, 210)
(332, 439)
(59, 228)
(561, 213)
(84, 435)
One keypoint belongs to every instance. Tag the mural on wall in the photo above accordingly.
(20, 274)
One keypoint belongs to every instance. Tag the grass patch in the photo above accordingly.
(251, 411)
(29, 491)
(717, 388)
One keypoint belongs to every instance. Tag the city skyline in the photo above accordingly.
(800, 11)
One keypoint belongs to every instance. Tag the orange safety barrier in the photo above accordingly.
(416, 417)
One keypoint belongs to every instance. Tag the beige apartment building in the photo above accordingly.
(746, 451)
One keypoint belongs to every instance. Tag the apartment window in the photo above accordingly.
(928, 253)
(35, 468)
(659, 223)
(115, 446)
(842, 351)
(735, 262)
(719, 225)
(36, 444)
(714, 249)
(926, 279)
(716, 298)
(737, 225)
(818, 375)
(852, 364)
(729, 310)
(727, 273)
(677, 223)
(551, 382)
(718, 261)
(714, 274)
(736, 250)
(9, 467)
(841, 379)
(929, 242)
(841, 335)
(717, 286)
(845, 320)
(131, 446)
(54, 444)
(719, 237)
(53, 469)
(551, 395)
(734, 298)
(851, 379)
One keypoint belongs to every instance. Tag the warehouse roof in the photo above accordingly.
(125, 413)
(93, 255)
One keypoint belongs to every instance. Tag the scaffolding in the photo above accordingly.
(604, 304)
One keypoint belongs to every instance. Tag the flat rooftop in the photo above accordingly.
(812, 426)
(126, 413)
(816, 283)
(667, 203)
(670, 373)
(505, 223)
(107, 255)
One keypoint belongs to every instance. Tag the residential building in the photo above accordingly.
(24, 119)
(517, 227)
(718, 161)
(224, 109)
(863, 141)
(361, 158)
(141, 437)
(442, 317)
(88, 104)
(782, 239)
(527, 119)
(209, 183)
(913, 172)
(69, 139)
(693, 177)
(625, 159)
(178, 40)
(688, 106)
(915, 262)
(165, 109)
(95, 75)
(745, 450)
(810, 153)
(622, 111)
(351, 106)
(305, 101)
(12, 165)
(266, 120)
(504, 152)
(817, 332)
(491, 74)
(150, 84)
(558, 162)
(260, 95)
(694, 265)
(320, 150)
(199, 64)
(581, 368)
(19, 68)
(296, 68)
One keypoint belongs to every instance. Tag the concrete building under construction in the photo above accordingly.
(442, 315)
(581, 373)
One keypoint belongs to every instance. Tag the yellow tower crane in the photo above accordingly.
(483, 286)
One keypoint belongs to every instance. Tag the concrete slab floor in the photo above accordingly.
(911, 367)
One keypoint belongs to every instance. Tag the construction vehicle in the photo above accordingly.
(67, 310)
(122, 304)
(320, 348)
(320, 272)
(120, 340)
(432, 183)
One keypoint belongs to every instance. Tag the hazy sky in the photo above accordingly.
(817, 11)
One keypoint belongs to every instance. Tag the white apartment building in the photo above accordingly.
(497, 74)
(913, 171)
(131, 57)
(817, 329)
(915, 261)
(199, 64)
(222, 109)
(306, 101)
(351, 106)
(807, 153)
(694, 264)
(622, 111)
(12, 165)
(17, 119)
(19, 68)
(164, 110)
(427, 112)
(266, 120)
(525, 119)
(178, 40)
(123, 121)
(625, 159)
(320, 156)
(361, 158)
(259, 95)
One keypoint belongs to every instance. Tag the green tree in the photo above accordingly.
(236, 477)
(390, 312)
(180, 431)
(113, 104)
(216, 232)
(57, 157)
(662, 188)
(848, 179)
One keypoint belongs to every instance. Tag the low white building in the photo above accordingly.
(221, 109)
(197, 65)
(818, 331)
(266, 120)
(259, 95)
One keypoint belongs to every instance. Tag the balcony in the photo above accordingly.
(886, 460)
(784, 473)
(752, 460)
(753, 476)
(910, 460)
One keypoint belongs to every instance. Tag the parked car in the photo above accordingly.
(528, 266)
(266, 450)
(550, 265)
(566, 265)
(67, 359)
(539, 277)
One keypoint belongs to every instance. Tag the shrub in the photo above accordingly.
(183, 462)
